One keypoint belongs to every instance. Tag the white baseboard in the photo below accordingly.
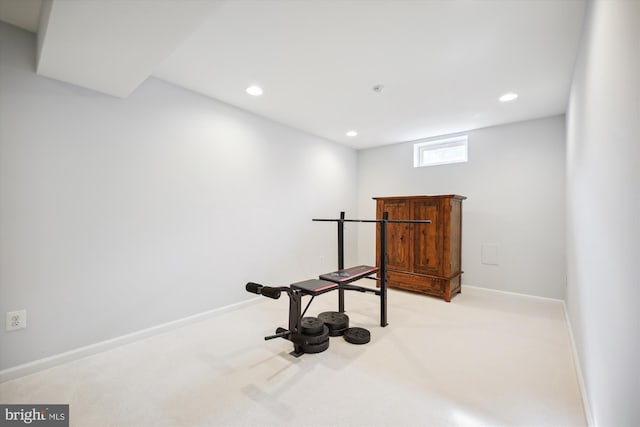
(576, 361)
(78, 353)
(512, 293)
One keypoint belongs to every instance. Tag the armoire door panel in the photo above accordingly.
(397, 236)
(427, 251)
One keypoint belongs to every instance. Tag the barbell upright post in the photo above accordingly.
(383, 269)
(341, 259)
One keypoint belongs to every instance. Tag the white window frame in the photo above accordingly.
(440, 144)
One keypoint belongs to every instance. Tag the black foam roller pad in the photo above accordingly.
(270, 292)
(254, 288)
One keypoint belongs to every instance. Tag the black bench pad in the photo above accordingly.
(350, 274)
(314, 286)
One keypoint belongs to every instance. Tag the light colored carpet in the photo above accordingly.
(485, 359)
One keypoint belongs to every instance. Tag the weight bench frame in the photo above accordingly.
(332, 281)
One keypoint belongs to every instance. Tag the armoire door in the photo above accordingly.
(427, 254)
(397, 234)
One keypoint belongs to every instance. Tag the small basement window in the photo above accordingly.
(440, 152)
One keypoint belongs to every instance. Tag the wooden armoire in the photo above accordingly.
(423, 258)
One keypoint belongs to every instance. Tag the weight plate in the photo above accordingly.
(357, 335)
(316, 348)
(311, 325)
(336, 332)
(335, 321)
(317, 338)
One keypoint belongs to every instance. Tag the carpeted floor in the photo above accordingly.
(485, 359)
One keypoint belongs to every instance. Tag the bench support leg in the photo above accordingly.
(295, 317)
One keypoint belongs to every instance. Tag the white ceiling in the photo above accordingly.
(443, 63)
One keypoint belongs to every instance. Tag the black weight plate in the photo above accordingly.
(336, 332)
(333, 317)
(311, 326)
(316, 348)
(357, 335)
(334, 320)
(317, 338)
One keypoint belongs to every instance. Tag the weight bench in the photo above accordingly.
(336, 280)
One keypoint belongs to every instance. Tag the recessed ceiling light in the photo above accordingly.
(508, 97)
(352, 133)
(254, 90)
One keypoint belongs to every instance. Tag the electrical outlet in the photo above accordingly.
(16, 320)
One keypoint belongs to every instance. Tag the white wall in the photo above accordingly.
(514, 181)
(118, 215)
(603, 210)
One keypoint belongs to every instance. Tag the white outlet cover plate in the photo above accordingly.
(16, 320)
